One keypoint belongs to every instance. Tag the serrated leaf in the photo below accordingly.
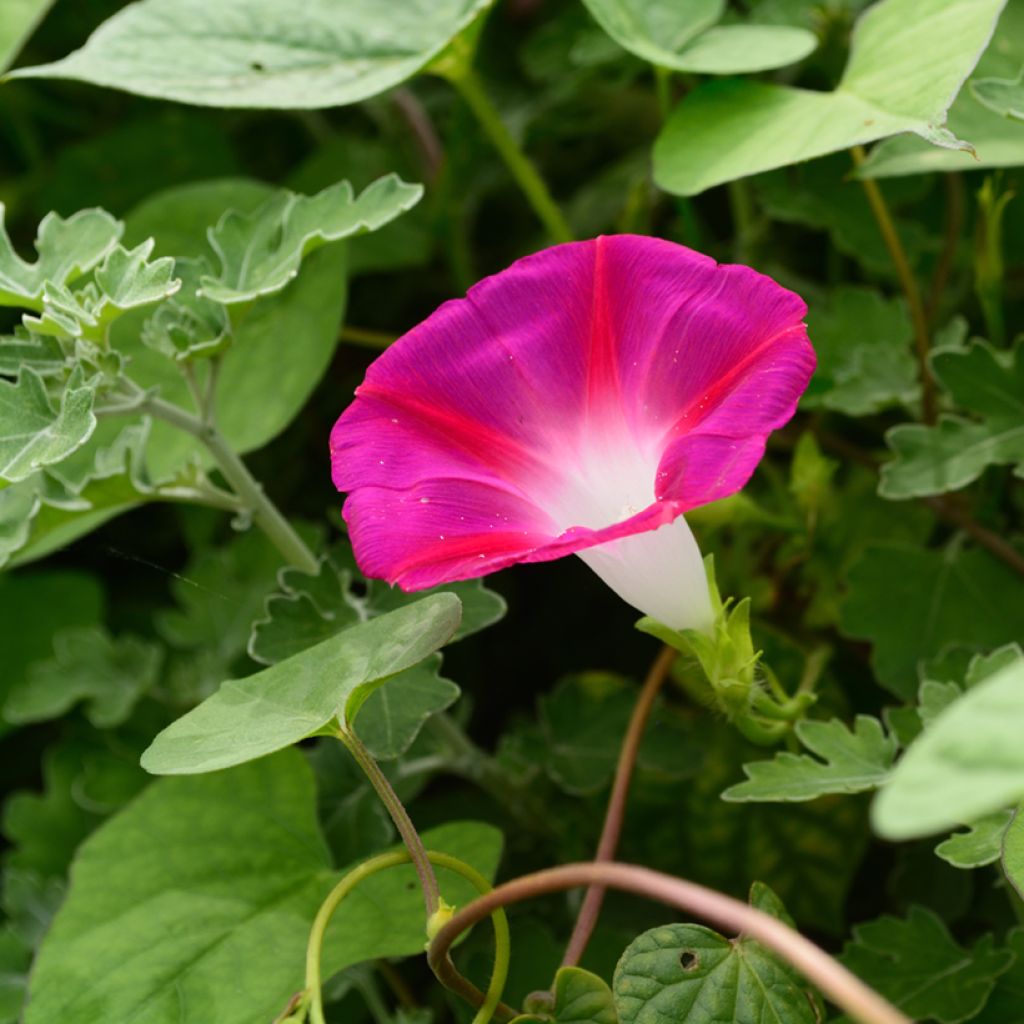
(260, 252)
(1004, 96)
(968, 763)
(107, 675)
(580, 998)
(241, 53)
(683, 36)
(1006, 1003)
(910, 603)
(194, 903)
(917, 965)
(307, 609)
(188, 326)
(851, 762)
(66, 248)
(865, 357)
(730, 129)
(36, 433)
(251, 717)
(685, 972)
(981, 844)
(128, 279)
(393, 715)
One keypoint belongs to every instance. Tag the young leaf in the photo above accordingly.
(127, 279)
(933, 460)
(685, 972)
(32, 432)
(66, 250)
(189, 326)
(580, 998)
(981, 844)
(730, 129)
(240, 53)
(681, 36)
(108, 675)
(910, 603)
(851, 762)
(968, 763)
(917, 965)
(194, 903)
(248, 718)
(260, 252)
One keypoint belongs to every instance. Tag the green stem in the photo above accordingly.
(663, 88)
(502, 945)
(468, 83)
(248, 489)
(366, 338)
(399, 815)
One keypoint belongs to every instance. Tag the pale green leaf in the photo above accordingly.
(18, 21)
(194, 904)
(40, 353)
(35, 433)
(981, 844)
(850, 762)
(108, 675)
(260, 252)
(580, 998)
(1005, 96)
(917, 965)
(258, 53)
(248, 718)
(66, 250)
(912, 602)
(128, 279)
(968, 763)
(908, 60)
(188, 326)
(1013, 852)
(685, 972)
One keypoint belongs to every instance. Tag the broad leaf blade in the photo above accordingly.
(248, 718)
(19, 21)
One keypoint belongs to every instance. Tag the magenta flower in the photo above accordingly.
(578, 402)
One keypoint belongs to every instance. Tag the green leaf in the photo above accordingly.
(865, 356)
(260, 252)
(1005, 96)
(34, 433)
(910, 603)
(194, 904)
(685, 972)
(237, 53)
(393, 715)
(248, 718)
(917, 965)
(968, 763)
(981, 844)
(729, 129)
(108, 675)
(307, 609)
(188, 326)
(933, 460)
(1004, 1005)
(66, 250)
(127, 279)
(580, 998)
(681, 36)
(851, 762)
(1013, 852)
(21, 17)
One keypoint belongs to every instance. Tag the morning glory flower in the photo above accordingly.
(579, 402)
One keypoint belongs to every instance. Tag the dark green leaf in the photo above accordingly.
(580, 998)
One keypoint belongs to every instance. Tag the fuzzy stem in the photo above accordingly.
(590, 909)
(842, 987)
(536, 191)
(922, 337)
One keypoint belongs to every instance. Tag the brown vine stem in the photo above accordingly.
(922, 336)
(590, 909)
(423, 130)
(838, 984)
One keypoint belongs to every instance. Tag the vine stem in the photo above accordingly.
(248, 489)
(468, 83)
(614, 816)
(919, 319)
(487, 1003)
(842, 987)
(399, 815)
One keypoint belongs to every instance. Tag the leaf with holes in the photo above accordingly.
(850, 762)
(918, 966)
(686, 972)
